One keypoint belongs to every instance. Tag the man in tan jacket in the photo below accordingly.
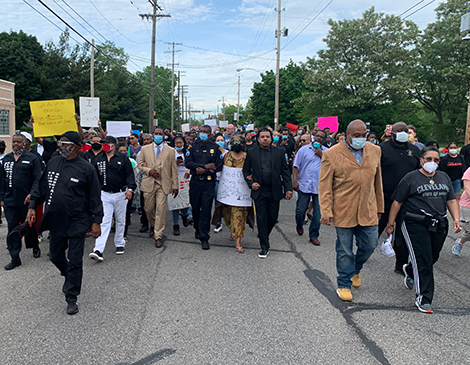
(351, 197)
(158, 164)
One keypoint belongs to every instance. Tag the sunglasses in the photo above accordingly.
(63, 143)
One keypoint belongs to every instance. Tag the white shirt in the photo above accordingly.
(181, 169)
(157, 147)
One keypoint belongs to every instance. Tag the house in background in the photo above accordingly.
(7, 112)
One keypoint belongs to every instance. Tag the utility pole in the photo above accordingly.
(276, 97)
(238, 104)
(178, 114)
(223, 107)
(173, 81)
(154, 18)
(92, 69)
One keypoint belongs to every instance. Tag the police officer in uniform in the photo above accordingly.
(204, 160)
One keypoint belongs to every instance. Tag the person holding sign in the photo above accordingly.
(157, 162)
(183, 175)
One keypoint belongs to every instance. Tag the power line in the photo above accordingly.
(407, 10)
(429, 3)
(96, 30)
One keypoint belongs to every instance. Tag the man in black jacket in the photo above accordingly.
(266, 173)
(19, 175)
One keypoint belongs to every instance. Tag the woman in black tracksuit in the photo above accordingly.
(422, 198)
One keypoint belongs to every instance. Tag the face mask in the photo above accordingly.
(285, 137)
(237, 148)
(410, 138)
(179, 148)
(19, 152)
(220, 144)
(316, 145)
(203, 136)
(107, 147)
(358, 143)
(158, 139)
(430, 167)
(276, 139)
(401, 137)
(453, 152)
(96, 146)
(229, 147)
(374, 141)
(66, 152)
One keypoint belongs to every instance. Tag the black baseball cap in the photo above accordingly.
(72, 136)
(109, 139)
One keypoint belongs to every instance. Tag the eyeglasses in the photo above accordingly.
(63, 143)
(304, 140)
(430, 159)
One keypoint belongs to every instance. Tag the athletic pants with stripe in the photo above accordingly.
(424, 247)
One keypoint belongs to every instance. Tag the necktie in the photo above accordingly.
(158, 151)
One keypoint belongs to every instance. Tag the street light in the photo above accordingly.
(238, 105)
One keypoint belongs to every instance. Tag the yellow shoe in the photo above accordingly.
(344, 294)
(356, 280)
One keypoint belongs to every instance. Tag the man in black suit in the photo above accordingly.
(266, 173)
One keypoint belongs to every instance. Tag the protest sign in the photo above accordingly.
(328, 122)
(136, 131)
(388, 130)
(182, 200)
(212, 123)
(233, 189)
(250, 127)
(53, 117)
(118, 129)
(185, 127)
(223, 123)
(89, 111)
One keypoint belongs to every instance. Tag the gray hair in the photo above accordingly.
(18, 134)
(148, 135)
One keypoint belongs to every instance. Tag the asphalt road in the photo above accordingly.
(182, 305)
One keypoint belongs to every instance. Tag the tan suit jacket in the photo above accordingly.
(351, 193)
(165, 165)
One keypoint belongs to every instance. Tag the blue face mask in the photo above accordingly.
(203, 136)
(374, 141)
(179, 148)
(285, 137)
(220, 144)
(276, 139)
(316, 145)
(158, 139)
(358, 143)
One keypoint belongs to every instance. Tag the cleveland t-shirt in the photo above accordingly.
(465, 199)
(418, 195)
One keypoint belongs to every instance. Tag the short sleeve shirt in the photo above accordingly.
(465, 199)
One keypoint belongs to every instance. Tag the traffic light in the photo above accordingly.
(189, 111)
(209, 115)
(220, 114)
(202, 111)
(154, 113)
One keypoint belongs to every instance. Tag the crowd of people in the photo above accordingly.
(89, 183)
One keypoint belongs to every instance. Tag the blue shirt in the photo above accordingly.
(308, 164)
(357, 154)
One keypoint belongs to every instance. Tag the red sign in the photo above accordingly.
(388, 130)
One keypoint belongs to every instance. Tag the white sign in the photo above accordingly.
(119, 129)
(233, 189)
(235, 116)
(182, 200)
(212, 123)
(223, 123)
(250, 127)
(185, 127)
(89, 111)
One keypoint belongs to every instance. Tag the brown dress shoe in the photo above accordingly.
(158, 243)
(300, 230)
(151, 232)
(315, 242)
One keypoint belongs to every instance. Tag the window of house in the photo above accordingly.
(4, 122)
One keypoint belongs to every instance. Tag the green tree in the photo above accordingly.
(21, 57)
(230, 110)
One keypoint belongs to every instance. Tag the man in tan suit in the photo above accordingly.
(158, 164)
(351, 197)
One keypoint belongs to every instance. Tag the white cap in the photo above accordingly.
(27, 136)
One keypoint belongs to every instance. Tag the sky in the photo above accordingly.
(216, 37)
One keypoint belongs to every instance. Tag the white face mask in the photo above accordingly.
(430, 167)
(453, 152)
(402, 137)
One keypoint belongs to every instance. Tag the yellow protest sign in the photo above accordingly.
(53, 117)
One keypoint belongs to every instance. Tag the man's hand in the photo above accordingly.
(99, 123)
(389, 229)
(31, 216)
(95, 230)
(77, 118)
(154, 173)
(31, 120)
(210, 166)
(295, 186)
(379, 216)
(200, 171)
(289, 195)
(27, 199)
(457, 226)
(175, 193)
(318, 152)
(128, 195)
(284, 142)
(249, 177)
(143, 164)
(187, 174)
(326, 221)
(2, 203)
(134, 156)
(255, 186)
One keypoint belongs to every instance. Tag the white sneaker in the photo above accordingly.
(218, 228)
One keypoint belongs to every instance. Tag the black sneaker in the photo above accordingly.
(119, 251)
(176, 229)
(144, 228)
(409, 282)
(36, 252)
(205, 245)
(184, 218)
(72, 308)
(263, 254)
(13, 264)
(97, 256)
(399, 271)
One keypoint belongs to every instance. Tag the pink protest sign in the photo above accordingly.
(388, 130)
(328, 122)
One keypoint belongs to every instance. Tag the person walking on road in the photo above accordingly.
(422, 198)
(351, 197)
(70, 190)
(267, 174)
(453, 165)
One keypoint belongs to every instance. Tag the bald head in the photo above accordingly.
(400, 127)
(356, 124)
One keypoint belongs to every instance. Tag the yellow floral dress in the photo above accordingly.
(235, 217)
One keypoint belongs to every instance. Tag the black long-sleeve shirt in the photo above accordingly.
(115, 174)
(201, 154)
(18, 178)
(91, 157)
(71, 193)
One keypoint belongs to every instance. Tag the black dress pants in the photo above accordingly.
(201, 195)
(267, 212)
(71, 267)
(14, 216)
(143, 217)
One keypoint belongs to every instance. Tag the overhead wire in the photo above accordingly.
(429, 3)
(411, 8)
(96, 30)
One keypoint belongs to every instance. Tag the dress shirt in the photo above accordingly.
(115, 174)
(308, 164)
(158, 149)
(357, 154)
(265, 156)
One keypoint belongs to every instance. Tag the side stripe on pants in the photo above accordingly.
(414, 264)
